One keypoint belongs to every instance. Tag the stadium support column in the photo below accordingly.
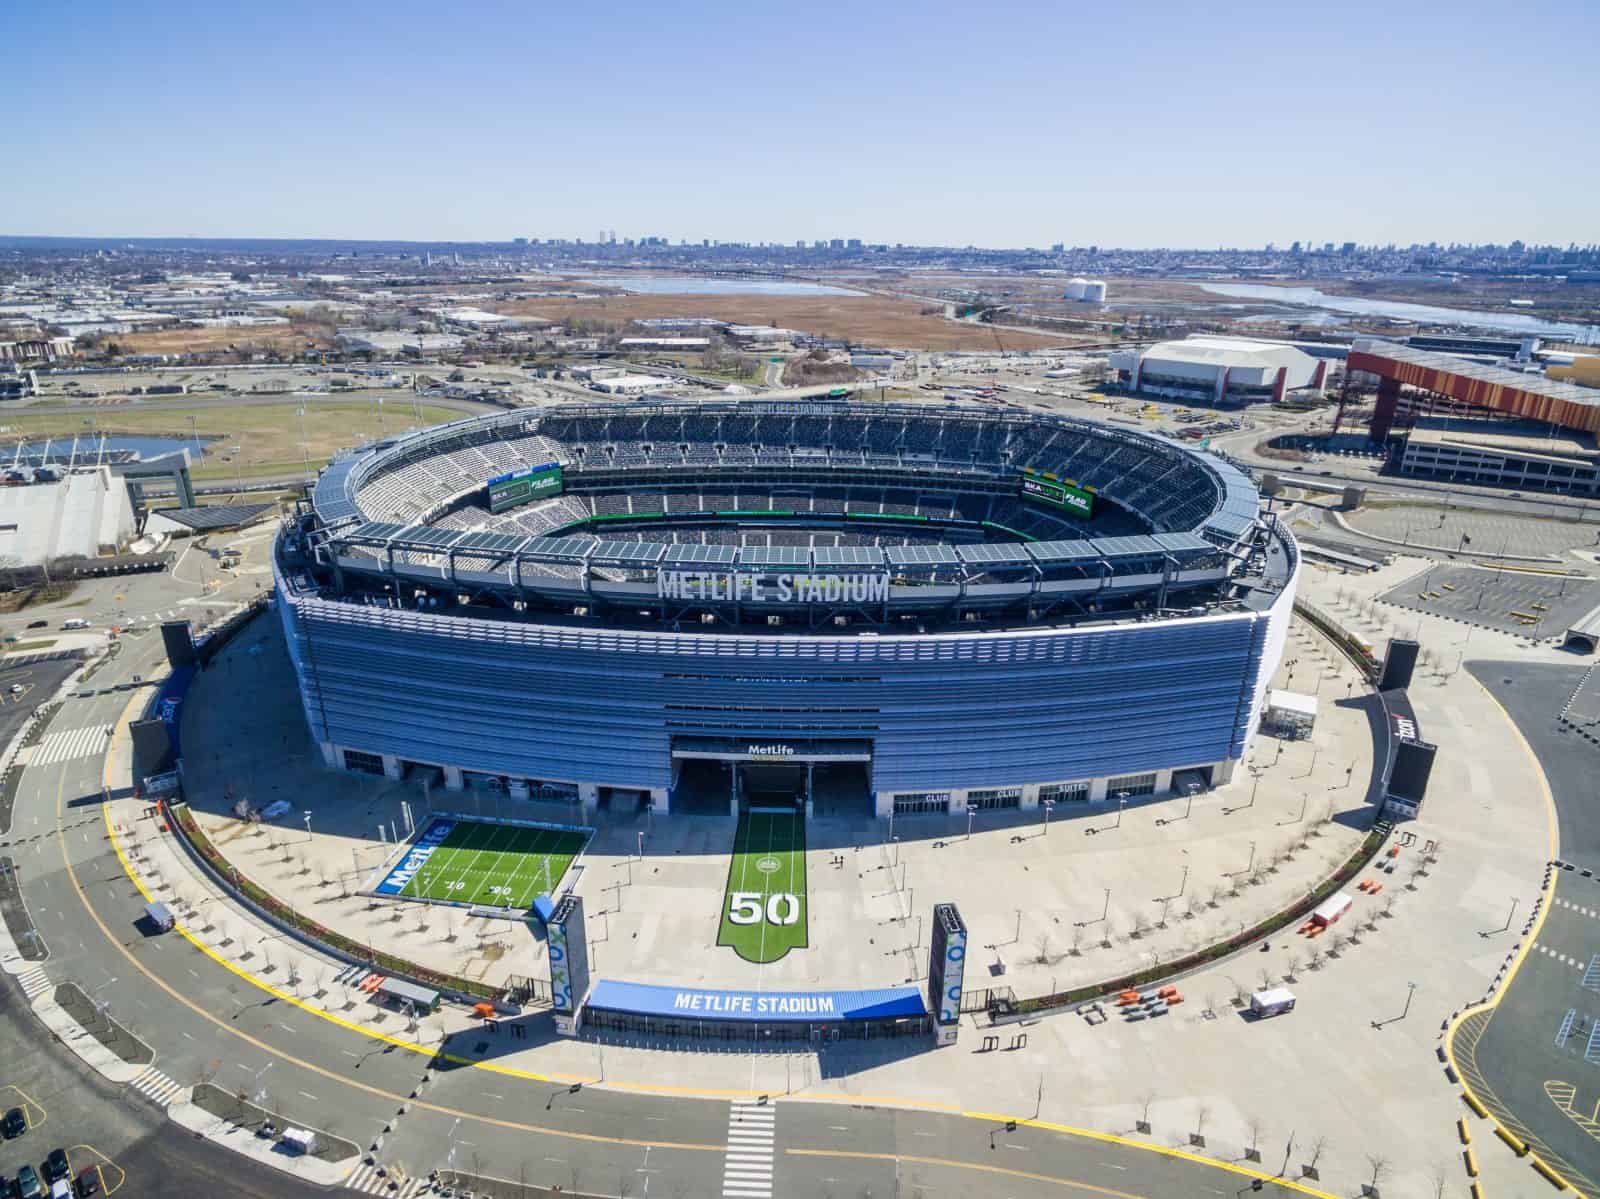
(1138, 373)
(660, 804)
(1222, 387)
(1319, 378)
(589, 797)
(392, 770)
(947, 961)
(1388, 404)
(452, 778)
(810, 768)
(1280, 385)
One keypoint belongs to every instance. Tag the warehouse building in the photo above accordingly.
(1219, 370)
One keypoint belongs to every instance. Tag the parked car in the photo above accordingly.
(38, 624)
(56, 1166)
(28, 1185)
(13, 1124)
(88, 1182)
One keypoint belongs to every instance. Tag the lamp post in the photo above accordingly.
(970, 814)
(1122, 799)
(1048, 805)
(1252, 860)
(1411, 989)
(1184, 884)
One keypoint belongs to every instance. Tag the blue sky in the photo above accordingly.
(992, 124)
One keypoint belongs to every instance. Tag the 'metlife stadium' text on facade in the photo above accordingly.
(692, 585)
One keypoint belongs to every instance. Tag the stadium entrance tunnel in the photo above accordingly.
(723, 777)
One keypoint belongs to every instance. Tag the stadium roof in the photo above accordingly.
(1495, 376)
(221, 516)
(1227, 351)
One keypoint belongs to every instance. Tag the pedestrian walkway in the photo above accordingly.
(748, 1172)
(369, 1181)
(1564, 958)
(33, 982)
(68, 745)
(157, 1087)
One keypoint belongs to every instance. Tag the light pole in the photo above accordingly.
(307, 816)
(970, 813)
(1048, 805)
(1252, 861)
(641, 845)
(1184, 884)
(1122, 799)
(305, 446)
(1411, 989)
(1510, 914)
(1315, 750)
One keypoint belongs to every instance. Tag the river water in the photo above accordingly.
(1422, 314)
(702, 285)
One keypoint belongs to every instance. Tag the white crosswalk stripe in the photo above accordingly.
(747, 1168)
(157, 1086)
(68, 745)
(367, 1180)
(33, 982)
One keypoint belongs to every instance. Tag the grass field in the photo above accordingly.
(764, 909)
(267, 433)
(495, 865)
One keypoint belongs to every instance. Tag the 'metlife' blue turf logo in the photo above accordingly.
(416, 858)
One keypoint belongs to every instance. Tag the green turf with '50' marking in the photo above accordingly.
(764, 908)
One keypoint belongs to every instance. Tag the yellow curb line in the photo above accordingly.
(1164, 1150)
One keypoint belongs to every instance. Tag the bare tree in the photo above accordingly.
(1042, 947)
(1266, 978)
(1336, 947)
(1077, 940)
(1141, 925)
(1315, 960)
(1380, 1167)
(1145, 1100)
(1198, 1136)
(1318, 1146)
(1440, 1179)
(1253, 1127)
(1217, 892)
(1293, 972)
(1108, 931)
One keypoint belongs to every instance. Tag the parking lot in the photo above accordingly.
(38, 677)
(1526, 605)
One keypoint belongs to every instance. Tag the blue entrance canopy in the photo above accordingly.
(816, 1007)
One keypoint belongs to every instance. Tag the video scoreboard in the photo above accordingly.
(1074, 501)
(522, 487)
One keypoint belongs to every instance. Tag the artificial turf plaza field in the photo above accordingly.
(764, 909)
(492, 865)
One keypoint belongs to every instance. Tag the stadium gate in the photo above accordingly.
(712, 774)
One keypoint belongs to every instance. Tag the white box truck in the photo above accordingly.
(1274, 1002)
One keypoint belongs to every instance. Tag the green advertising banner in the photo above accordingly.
(1074, 501)
(507, 491)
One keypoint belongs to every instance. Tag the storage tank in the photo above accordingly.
(1094, 291)
(1075, 288)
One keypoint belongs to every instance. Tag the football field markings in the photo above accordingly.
(766, 886)
(482, 855)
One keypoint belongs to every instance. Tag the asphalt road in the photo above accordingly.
(1516, 1056)
(97, 1123)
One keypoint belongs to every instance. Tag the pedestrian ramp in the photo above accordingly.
(157, 1087)
(747, 1171)
(376, 1179)
(34, 983)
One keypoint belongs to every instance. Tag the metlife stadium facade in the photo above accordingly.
(861, 607)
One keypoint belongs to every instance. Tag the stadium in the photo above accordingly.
(852, 609)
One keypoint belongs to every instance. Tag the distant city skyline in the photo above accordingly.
(1022, 125)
